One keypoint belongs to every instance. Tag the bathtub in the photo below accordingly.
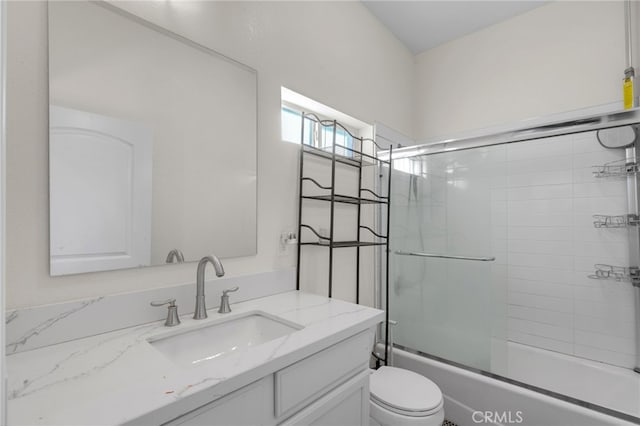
(473, 398)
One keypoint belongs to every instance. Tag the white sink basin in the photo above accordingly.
(222, 338)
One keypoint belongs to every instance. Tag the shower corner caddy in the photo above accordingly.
(627, 168)
(616, 273)
(618, 221)
(618, 168)
(354, 159)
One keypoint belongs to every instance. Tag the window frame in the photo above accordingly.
(320, 136)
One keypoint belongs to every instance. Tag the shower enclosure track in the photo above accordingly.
(524, 133)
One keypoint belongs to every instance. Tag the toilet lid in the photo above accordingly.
(405, 392)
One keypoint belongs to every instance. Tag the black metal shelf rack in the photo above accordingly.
(357, 159)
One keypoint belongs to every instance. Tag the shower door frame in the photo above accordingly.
(3, 115)
(577, 122)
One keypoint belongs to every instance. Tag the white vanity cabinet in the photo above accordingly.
(330, 387)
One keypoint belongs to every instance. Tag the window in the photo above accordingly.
(315, 134)
(292, 126)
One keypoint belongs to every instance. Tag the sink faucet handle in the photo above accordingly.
(230, 290)
(170, 302)
(172, 314)
(224, 300)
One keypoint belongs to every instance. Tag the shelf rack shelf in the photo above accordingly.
(344, 244)
(347, 199)
(329, 155)
(363, 153)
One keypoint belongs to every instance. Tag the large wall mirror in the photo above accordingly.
(152, 148)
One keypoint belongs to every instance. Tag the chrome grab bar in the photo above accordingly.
(444, 256)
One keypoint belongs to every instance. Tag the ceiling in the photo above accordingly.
(422, 25)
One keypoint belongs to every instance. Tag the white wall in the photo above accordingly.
(559, 57)
(334, 52)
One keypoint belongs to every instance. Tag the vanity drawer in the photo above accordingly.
(306, 380)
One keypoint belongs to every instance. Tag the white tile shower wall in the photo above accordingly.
(552, 246)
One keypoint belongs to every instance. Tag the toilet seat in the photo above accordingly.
(405, 392)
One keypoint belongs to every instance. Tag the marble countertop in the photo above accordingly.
(119, 377)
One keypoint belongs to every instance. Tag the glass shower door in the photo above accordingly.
(451, 205)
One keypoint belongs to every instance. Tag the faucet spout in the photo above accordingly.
(200, 311)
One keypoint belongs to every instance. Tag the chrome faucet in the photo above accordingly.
(201, 307)
(175, 255)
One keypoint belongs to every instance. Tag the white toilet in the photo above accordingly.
(403, 398)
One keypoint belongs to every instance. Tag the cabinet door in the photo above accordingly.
(347, 405)
(299, 384)
(249, 406)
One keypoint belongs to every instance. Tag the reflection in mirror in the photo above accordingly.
(617, 137)
(152, 144)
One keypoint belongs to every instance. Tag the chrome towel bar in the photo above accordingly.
(445, 256)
